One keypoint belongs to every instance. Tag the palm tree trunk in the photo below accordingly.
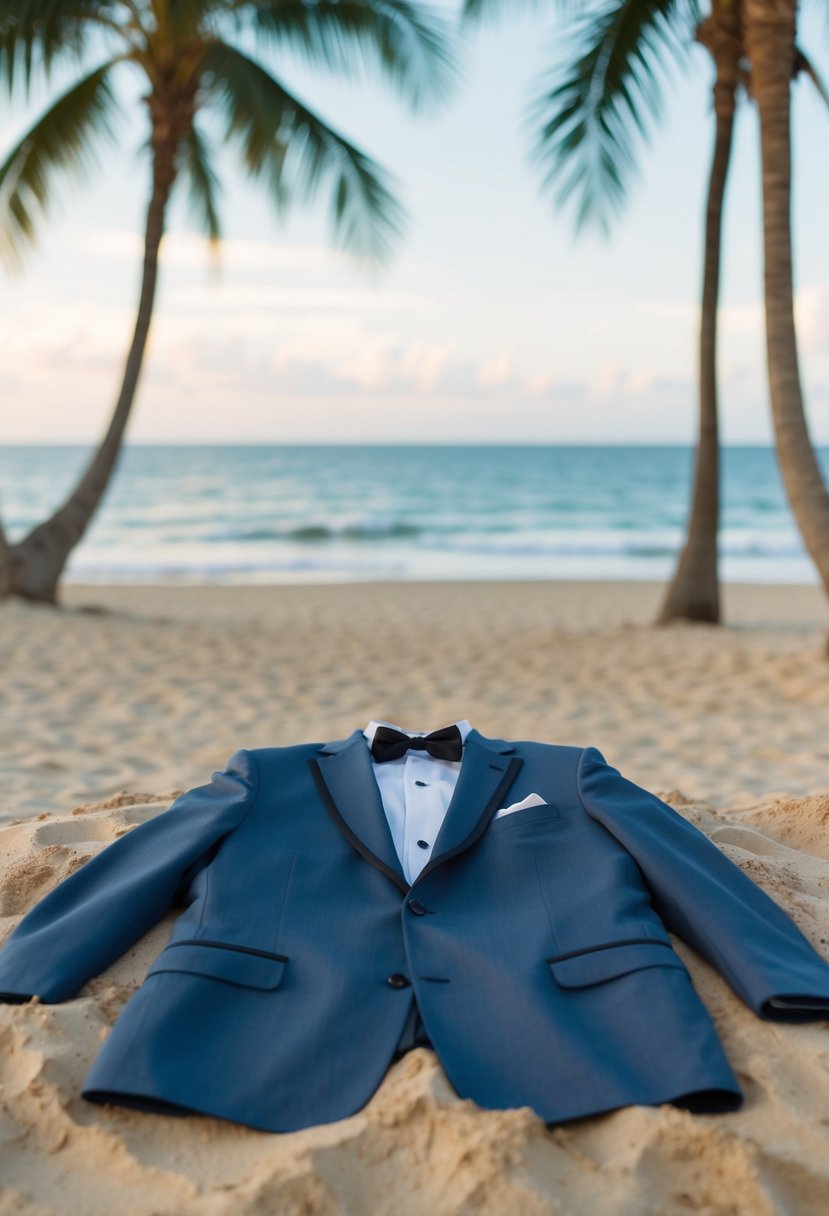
(5, 564)
(694, 591)
(36, 562)
(770, 31)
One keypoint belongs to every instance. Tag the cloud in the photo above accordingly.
(186, 354)
(426, 364)
(812, 315)
(53, 350)
(287, 339)
(743, 320)
(421, 369)
(748, 320)
(496, 371)
(634, 384)
(811, 309)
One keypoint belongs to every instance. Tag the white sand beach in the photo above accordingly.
(162, 686)
(132, 694)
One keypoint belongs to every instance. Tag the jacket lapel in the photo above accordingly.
(345, 778)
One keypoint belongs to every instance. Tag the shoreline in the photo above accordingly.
(786, 602)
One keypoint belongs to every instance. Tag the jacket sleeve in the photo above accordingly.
(94, 915)
(707, 900)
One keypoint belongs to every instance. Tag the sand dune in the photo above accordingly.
(416, 1147)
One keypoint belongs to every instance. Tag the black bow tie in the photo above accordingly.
(444, 744)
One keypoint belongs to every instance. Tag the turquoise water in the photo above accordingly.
(299, 514)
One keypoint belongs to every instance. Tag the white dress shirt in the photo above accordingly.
(415, 789)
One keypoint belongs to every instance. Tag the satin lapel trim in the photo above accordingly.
(485, 775)
(346, 780)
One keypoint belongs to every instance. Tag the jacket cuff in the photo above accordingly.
(797, 1007)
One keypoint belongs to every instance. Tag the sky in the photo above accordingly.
(493, 322)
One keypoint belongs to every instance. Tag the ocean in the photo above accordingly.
(272, 514)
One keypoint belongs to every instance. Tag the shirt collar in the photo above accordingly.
(463, 726)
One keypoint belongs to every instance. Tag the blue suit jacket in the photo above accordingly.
(537, 944)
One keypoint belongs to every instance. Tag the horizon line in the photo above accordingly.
(369, 443)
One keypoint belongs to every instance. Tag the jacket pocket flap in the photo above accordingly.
(233, 964)
(592, 966)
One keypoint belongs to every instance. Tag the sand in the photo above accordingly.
(106, 715)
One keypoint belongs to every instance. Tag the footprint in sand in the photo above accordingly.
(78, 831)
(142, 811)
(749, 839)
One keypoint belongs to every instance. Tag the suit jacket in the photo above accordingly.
(537, 945)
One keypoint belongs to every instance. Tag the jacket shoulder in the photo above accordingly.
(565, 752)
(290, 752)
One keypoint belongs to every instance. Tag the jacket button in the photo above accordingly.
(398, 981)
(416, 906)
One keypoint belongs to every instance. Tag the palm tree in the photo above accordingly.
(770, 36)
(190, 56)
(587, 124)
(694, 590)
(4, 563)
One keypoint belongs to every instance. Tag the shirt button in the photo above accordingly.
(416, 906)
(398, 981)
(420, 783)
(423, 844)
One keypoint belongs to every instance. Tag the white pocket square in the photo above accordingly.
(530, 800)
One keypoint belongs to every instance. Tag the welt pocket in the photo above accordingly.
(541, 813)
(244, 966)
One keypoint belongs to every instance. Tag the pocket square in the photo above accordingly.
(530, 800)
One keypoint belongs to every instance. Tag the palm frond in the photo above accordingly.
(802, 63)
(593, 119)
(292, 148)
(203, 183)
(185, 20)
(62, 140)
(478, 11)
(38, 32)
(414, 44)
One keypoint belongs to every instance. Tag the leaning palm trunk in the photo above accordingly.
(5, 565)
(770, 29)
(35, 564)
(694, 591)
